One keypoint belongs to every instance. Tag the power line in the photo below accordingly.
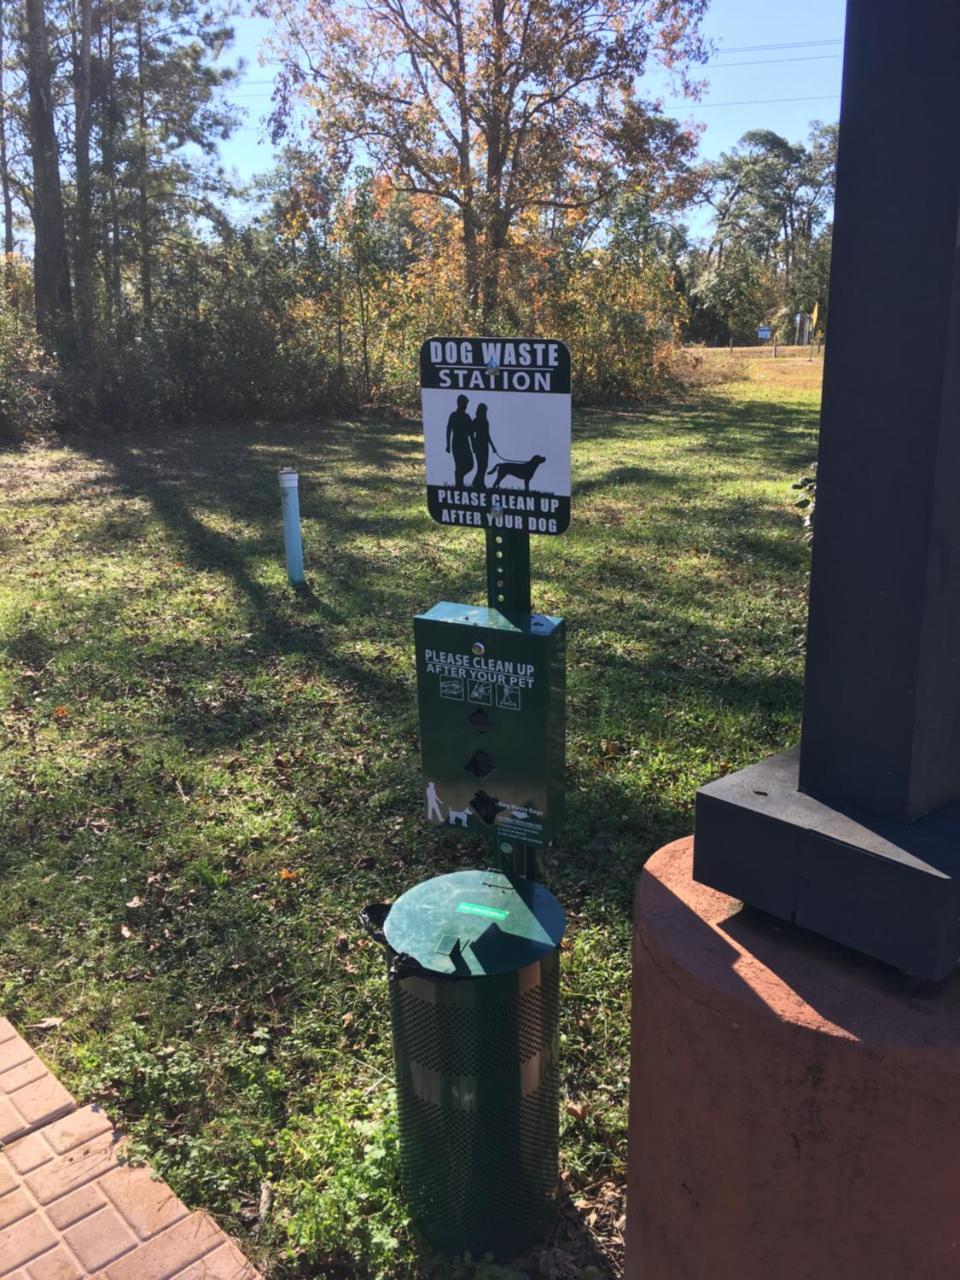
(790, 44)
(755, 102)
(745, 48)
(693, 106)
(758, 62)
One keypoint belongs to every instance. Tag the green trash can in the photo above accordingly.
(474, 1003)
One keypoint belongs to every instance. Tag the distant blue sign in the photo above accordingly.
(764, 332)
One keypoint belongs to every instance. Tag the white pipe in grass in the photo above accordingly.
(292, 541)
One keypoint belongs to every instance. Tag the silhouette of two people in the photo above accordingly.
(468, 439)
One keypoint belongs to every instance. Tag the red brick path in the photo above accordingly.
(71, 1209)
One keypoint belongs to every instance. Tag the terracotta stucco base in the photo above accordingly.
(794, 1108)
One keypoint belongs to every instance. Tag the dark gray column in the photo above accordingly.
(857, 835)
(882, 696)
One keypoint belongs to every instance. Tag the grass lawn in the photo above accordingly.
(206, 774)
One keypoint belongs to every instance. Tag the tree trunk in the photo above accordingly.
(83, 248)
(495, 243)
(51, 266)
(4, 169)
(471, 257)
(108, 149)
(364, 334)
(468, 213)
(143, 202)
(340, 353)
(494, 228)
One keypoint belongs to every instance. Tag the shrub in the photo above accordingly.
(345, 1206)
(27, 377)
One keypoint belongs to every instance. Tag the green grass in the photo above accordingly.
(206, 774)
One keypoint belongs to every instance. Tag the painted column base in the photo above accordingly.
(794, 1107)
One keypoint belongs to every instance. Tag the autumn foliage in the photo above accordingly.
(479, 166)
(468, 166)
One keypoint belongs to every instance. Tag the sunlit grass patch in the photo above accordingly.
(206, 774)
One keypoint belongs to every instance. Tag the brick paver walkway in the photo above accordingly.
(72, 1209)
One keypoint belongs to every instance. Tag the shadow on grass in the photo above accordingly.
(29, 644)
(769, 431)
(623, 475)
(774, 433)
(584, 1234)
(242, 486)
(247, 865)
(191, 477)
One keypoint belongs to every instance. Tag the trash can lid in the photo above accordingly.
(475, 923)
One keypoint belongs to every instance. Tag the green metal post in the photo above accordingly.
(508, 571)
(508, 591)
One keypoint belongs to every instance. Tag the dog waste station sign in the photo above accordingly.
(496, 425)
(474, 955)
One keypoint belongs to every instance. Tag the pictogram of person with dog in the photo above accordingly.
(470, 442)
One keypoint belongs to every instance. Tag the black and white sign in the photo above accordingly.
(496, 424)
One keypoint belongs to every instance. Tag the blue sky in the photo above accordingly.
(752, 84)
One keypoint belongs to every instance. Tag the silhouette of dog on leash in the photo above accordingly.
(521, 470)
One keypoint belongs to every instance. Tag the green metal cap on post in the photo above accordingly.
(475, 923)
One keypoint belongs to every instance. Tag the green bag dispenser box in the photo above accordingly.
(474, 1004)
(491, 695)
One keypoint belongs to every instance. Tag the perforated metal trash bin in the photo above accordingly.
(474, 1005)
